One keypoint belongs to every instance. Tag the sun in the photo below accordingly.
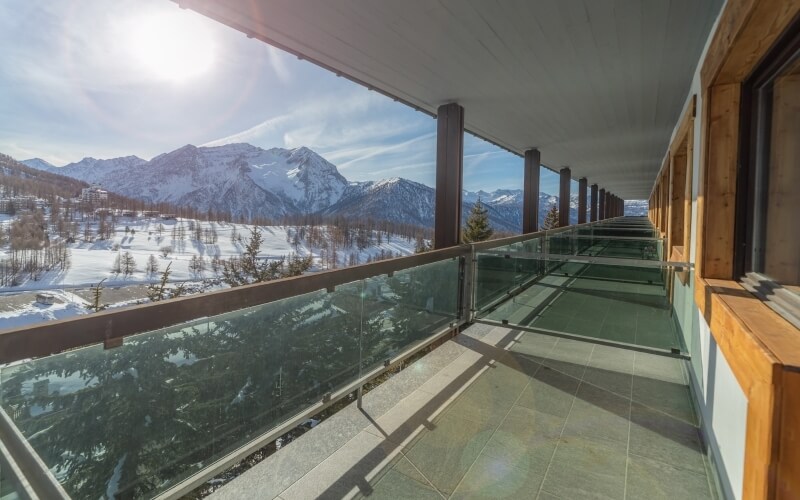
(171, 47)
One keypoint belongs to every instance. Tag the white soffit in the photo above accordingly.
(596, 85)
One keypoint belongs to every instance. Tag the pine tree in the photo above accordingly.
(97, 292)
(478, 228)
(128, 264)
(551, 219)
(156, 291)
(152, 265)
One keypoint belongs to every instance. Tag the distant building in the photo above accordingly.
(150, 213)
(19, 203)
(168, 217)
(94, 194)
(46, 299)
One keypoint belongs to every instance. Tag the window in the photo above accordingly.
(768, 208)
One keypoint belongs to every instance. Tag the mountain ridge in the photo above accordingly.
(248, 181)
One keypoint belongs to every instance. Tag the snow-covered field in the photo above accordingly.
(92, 262)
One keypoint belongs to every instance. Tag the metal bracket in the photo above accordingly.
(113, 343)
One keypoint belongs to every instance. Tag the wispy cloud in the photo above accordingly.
(71, 89)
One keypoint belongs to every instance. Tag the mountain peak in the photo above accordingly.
(38, 163)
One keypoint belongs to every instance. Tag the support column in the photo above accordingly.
(593, 204)
(582, 200)
(601, 214)
(530, 194)
(611, 206)
(563, 197)
(449, 175)
(608, 204)
(621, 207)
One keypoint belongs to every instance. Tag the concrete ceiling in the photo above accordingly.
(596, 85)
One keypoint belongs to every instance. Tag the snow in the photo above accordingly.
(113, 482)
(92, 262)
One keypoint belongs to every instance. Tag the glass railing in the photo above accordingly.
(581, 281)
(133, 421)
(10, 489)
(172, 405)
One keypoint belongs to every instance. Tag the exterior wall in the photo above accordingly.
(721, 403)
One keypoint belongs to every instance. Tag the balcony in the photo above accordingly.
(569, 377)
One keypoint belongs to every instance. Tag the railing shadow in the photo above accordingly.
(355, 477)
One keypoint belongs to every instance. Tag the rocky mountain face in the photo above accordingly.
(248, 181)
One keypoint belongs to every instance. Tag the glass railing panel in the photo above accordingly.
(10, 489)
(407, 308)
(522, 297)
(620, 247)
(628, 304)
(495, 276)
(137, 419)
(560, 243)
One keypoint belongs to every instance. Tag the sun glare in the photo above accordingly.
(173, 47)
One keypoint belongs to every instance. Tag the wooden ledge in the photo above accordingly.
(749, 314)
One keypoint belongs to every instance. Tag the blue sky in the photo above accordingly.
(90, 78)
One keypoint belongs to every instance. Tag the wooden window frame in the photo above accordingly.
(783, 301)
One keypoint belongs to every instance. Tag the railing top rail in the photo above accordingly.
(588, 259)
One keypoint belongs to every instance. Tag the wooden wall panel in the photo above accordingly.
(720, 181)
(788, 472)
(687, 190)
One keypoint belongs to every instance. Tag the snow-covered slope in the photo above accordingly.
(92, 170)
(39, 164)
(396, 200)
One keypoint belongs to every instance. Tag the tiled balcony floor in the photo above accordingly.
(619, 304)
(499, 413)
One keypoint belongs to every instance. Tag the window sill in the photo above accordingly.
(753, 337)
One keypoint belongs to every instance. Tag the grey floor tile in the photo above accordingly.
(618, 383)
(444, 454)
(400, 480)
(599, 415)
(650, 479)
(569, 357)
(550, 391)
(658, 436)
(586, 326)
(491, 395)
(526, 439)
(345, 471)
(586, 469)
(493, 478)
(616, 333)
(612, 358)
(535, 344)
(550, 320)
(666, 397)
(543, 495)
(657, 367)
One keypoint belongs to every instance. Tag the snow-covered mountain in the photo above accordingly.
(238, 178)
(38, 164)
(248, 181)
(636, 207)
